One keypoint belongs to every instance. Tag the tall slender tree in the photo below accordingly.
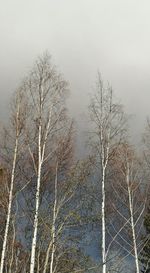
(17, 123)
(129, 202)
(109, 126)
(46, 92)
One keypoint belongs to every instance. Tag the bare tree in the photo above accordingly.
(128, 203)
(46, 92)
(17, 121)
(108, 127)
(47, 179)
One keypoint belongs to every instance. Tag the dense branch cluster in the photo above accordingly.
(53, 207)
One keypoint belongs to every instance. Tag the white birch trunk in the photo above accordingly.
(9, 205)
(54, 223)
(52, 242)
(104, 165)
(34, 240)
(103, 224)
(12, 251)
(41, 153)
(47, 257)
(104, 155)
(132, 223)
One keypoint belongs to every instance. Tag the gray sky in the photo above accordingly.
(82, 36)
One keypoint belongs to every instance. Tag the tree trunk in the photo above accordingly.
(132, 223)
(103, 224)
(54, 223)
(34, 240)
(9, 207)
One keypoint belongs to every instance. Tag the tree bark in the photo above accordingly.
(34, 240)
(132, 222)
(9, 207)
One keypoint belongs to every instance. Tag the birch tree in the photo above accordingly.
(46, 175)
(130, 195)
(63, 158)
(17, 123)
(108, 127)
(63, 211)
(46, 92)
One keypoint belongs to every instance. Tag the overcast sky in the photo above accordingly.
(82, 36)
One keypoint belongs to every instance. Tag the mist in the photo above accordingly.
(66, 206)
(82, 37)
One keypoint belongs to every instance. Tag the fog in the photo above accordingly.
(82, 36)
